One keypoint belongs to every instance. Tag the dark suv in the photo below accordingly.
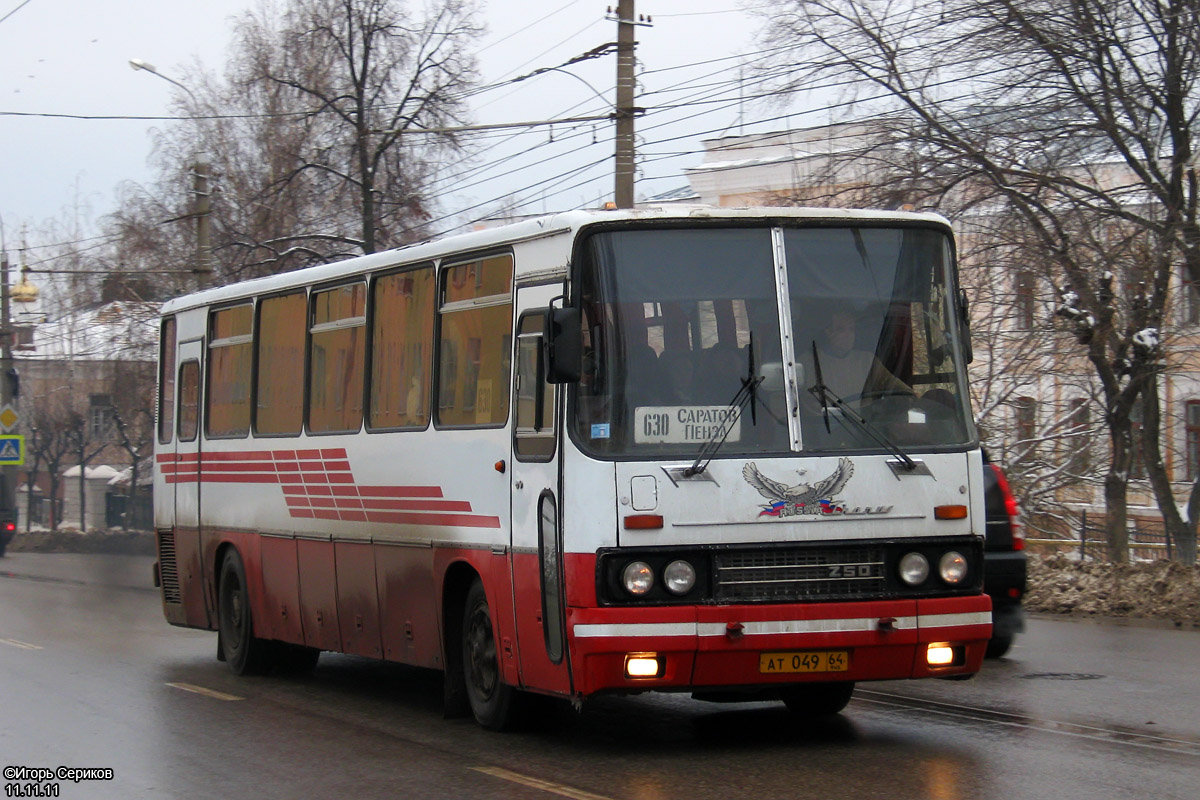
(8, 518)
(1003, 560)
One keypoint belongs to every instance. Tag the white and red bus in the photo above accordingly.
(728, 452)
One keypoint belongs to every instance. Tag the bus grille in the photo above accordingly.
(795, 575)
(168, 569)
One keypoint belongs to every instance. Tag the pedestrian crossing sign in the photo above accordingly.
(12, 450)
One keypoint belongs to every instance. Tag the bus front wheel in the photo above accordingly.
(244, 653)
(492, 701)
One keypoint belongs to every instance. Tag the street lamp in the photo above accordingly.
(138, 64)
(200, 189)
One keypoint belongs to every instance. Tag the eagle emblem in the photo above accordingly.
(802, 498)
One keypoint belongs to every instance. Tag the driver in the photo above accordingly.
(847, 370)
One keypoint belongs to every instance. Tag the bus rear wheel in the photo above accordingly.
(492, 701)
(817, 699)
(244, 653)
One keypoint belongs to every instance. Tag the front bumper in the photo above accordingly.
(720, 646)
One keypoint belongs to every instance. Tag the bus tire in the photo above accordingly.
(492, 701)
(245, 654)
(817, 699)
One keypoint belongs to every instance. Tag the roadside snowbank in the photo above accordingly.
(124, 543)
(1154, 590)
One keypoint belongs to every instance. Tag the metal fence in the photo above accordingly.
(132, 514)
(1146, 542)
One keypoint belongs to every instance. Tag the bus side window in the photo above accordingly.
(166, 382)
(280, 346)
(337, 359)
(475, 344)
(189, 400)
(231, 353)
(533, 435)
(402, 311)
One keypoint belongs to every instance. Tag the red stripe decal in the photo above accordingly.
(243, 466)
(416, 505)
(319, 484)
(459, 520)
(240, 478)
(400, 491)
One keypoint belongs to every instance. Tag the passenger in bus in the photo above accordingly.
(852, 373)
(677, 375)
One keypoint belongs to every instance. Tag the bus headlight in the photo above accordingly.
(638, 578)
(953, 568)
(914, 569)
(679, 577)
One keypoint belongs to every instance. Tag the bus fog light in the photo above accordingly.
(679, 577)
(939, 655)
(643, 665)
(638, 578)
(953, 568)
(914, 569)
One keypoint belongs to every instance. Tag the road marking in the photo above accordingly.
(536, 783)
(21, 645)
(188, 687)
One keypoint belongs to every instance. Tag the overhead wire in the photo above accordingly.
(697, 98)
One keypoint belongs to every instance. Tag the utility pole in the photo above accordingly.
(203, 214)
(625, 110)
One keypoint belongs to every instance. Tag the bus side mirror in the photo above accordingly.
(563, 345)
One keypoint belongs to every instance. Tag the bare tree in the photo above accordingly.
(49, 445)
(85, 442)
(1078, 117)
(133, 423)
(316, 133)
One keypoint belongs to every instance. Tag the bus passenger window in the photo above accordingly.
(189, 400)
(401, 349)
(337, 358)
(476, 343)
(534, 426)
(166, 381)
(230, 351)
(279, 391)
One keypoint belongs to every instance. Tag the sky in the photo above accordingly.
(71, 57)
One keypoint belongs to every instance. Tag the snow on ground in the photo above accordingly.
(1154, 590)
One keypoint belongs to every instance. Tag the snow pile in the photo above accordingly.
(124, 543)
(1156, 590)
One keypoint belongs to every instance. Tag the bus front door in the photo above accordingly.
(537, 572)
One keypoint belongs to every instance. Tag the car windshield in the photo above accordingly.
(671, 317)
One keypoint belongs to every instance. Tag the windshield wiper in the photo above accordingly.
(748, 393)
(819, 389)
(824, 394)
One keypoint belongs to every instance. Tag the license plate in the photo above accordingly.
(807, 661)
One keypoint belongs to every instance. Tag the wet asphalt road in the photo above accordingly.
(92, 676)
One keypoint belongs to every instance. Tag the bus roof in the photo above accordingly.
(552, 224)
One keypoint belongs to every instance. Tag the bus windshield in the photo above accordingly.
(676, 320)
